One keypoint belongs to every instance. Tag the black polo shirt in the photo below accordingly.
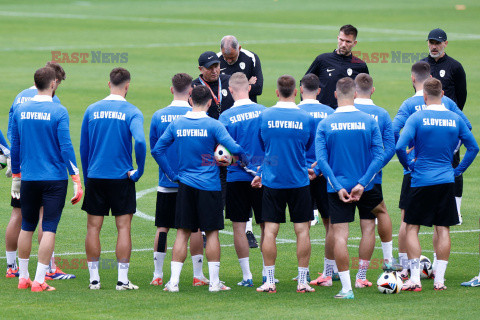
(452, 76)
(331, 67)
(249, 64)
(227, 99)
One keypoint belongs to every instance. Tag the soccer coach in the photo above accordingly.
(332, 66)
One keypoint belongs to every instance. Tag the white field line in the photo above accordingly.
(184, 44)
(310, 27)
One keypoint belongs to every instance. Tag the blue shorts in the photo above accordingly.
(49, 194)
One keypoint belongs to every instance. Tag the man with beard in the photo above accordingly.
(332, 66)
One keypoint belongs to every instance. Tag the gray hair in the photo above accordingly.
(229, 43)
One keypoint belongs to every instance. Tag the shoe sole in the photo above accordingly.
(305, 291)
(413, 290)
(268, 291)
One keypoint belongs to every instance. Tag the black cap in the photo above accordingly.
(208, 58)
(437, 35)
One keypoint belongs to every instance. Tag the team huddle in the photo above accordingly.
(322, 158)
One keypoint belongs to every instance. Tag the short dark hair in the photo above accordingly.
(43, 77)
(310, 82)
(119, 76)
(433, 87)
(421, 70)
(348, 29)
(364, 83)
(201, 95)
(286, 85)
(60, 73)
(345, 88)
(181, 82)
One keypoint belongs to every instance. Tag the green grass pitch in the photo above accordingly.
(166, 37)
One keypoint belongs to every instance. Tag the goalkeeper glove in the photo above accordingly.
(77, 189)
(16, 183)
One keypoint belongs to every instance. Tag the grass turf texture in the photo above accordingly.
(166, 37)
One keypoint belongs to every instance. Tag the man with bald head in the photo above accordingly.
(241, 121)
(235, 59)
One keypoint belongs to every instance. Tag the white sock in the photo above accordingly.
(315, 213)
(52, 266)
(213, 272)
(402, 256)
(245, 265)
(434, 264)
(158, 258)
(175, 272)
(458, 201)
(440, 273)
(249, 227)
(197, 261)
(328, 267)
(41, 272)
(302, 275)
(415, 270)
(264, 271)
(93, 269)
(345, 279)
(335, 269)
(387, 251)
(23, 268)
(362, 269)
(12, 258)
(270, 270)
(123, 272)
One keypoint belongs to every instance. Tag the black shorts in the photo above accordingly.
(241, 198)
(275, 202)
(15, 203)
(165, 212)
(432, 205)
(198, 209)
(341, 212)
(319, 195)
(49, 194)
(404, 193)
(103, 195)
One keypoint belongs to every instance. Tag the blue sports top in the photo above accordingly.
(386, 130)
(286, 133)
(349, 149)
(242, 123)
(24, 96)
(106, 139)
(196, 135)
(435, 132)
(160, 121)
(41, 145)
(319, 112)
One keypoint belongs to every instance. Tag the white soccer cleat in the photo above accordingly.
(94, 285)
(220, 286)
(126, 286)
(171, 287)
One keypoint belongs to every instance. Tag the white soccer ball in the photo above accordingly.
(389, 282)
(426, 269)
(3, 161)
(223, 156)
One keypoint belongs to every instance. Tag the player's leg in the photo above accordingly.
(93, 248)
(443, 253)
(475, 281)
(402, 249)
(340, 235)
(325, 278)
(196, 252)
(123, 250)
(159, 253)
(11, 239)
(269, 253)
(304, 251)
(413, 251)
(365, 251)
(179, 254)
(30, 199)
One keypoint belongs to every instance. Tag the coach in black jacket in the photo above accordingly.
(235, 59)
(331, 67)
(209, 66)
(446, 69)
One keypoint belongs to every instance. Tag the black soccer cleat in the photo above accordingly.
(252, 242)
